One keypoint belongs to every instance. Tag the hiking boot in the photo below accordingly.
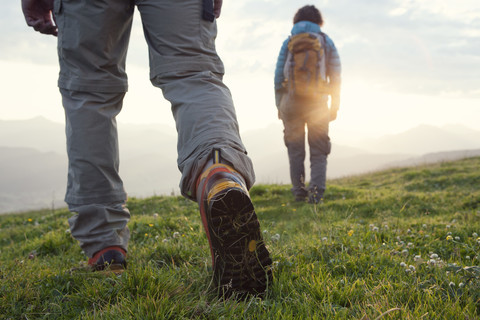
(300, 198)
(109, 259)
(315, 195)
(300, 193)
(241, 262)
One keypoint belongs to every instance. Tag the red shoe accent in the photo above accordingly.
(93, 260)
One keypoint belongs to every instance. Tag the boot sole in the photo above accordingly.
(242, 262)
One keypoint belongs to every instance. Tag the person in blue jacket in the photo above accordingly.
(315, 113)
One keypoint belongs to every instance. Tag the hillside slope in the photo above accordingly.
(397, 244)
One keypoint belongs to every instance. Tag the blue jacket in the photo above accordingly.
(334, 67)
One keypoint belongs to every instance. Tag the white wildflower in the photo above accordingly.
(403, 264)
(461, 285)
(176, 234)
(375, 229)
(475, 235)
(275, 237)
(434, 256)
(451, 284)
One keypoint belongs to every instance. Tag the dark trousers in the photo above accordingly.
(314, 115)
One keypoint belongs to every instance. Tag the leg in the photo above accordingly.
(320, 147)
(216, 171)
(94, 188)
(205, 118)
(185, 65)
(294, 137)
(92, 47)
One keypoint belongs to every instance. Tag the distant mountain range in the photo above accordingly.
(426, 139)
(33, 163)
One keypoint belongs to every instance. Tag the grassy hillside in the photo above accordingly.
(399, 244)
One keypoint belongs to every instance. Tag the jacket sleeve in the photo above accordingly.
(334, 71)
(279, 77)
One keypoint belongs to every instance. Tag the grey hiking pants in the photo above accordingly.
(92, 48)
(315, 115)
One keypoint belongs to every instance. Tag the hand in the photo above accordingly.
(333, 114)
(38, 14)
(217, 8)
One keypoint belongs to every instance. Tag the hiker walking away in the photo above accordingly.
(216, 171)
(307, 73)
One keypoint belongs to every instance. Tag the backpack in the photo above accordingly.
(305, 67)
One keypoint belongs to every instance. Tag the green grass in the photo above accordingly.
(398, 244)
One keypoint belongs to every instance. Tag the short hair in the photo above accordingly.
(308, 13)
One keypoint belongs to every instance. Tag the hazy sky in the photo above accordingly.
(405, 62)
